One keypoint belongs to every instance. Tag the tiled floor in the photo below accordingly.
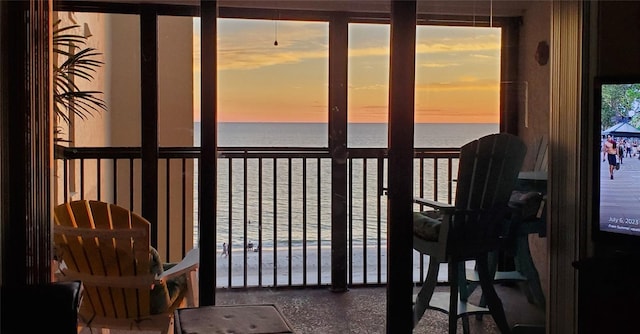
(363, 310)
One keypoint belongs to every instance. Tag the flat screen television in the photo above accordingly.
(617, 187)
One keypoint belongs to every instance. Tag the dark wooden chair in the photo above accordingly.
(527, 216)
(469, 229)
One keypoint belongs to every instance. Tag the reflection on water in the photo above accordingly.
(293, 200)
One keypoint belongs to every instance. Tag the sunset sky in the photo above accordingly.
(457, 78)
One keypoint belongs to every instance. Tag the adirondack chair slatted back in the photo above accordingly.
(107, 247)
(487, 173)
(542, 154)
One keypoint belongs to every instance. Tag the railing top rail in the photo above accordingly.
(62, 152)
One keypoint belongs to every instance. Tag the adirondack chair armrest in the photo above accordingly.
(190, 262)
(432, 225)
(443, 207)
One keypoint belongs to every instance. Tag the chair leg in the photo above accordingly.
(464, 291)
(170, 327)
(192, 286)
(453, 296)
(493, 267)
(525, 265)
(465, 324)
(425, 293)
(488, 290)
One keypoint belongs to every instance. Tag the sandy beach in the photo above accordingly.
(296, 268)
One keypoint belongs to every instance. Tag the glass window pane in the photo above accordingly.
(457, 84)
(368, 93)
(175, 81)
(266, 90)
(116, 43)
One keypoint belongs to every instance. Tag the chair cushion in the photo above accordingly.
(164, 295)
(426, 225)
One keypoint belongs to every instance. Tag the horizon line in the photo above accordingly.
(302, 122)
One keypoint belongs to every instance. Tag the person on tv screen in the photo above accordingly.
(609, 152)
(620, 150)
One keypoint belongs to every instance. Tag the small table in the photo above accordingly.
(538, 175)
(530, 181)
(249, 319)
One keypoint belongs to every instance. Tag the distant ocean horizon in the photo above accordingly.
(359, 135)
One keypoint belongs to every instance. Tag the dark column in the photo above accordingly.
(149, 121)
(208, 161)
(26, 150)
(400, 178)
(511, 90)
(338, 47)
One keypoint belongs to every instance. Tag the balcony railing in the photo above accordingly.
(273, 206)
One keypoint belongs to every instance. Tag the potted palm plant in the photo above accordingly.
(76, 62)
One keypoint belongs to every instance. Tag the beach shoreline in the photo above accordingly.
(247, 273)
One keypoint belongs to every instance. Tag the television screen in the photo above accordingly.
(617, 109)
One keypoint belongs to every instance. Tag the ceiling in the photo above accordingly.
(498, 8)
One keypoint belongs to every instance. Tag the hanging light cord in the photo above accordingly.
(275, 42)
(491, 13)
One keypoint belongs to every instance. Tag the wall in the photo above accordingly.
(90, 131)
(175, 123)
(534, 119)
(175, 118)
(617, 43)
(535, 78)
(117, 37)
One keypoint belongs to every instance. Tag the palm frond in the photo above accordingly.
(80, 63)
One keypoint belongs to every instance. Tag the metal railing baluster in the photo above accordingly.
(434, 177)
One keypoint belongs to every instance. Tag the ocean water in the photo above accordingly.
(358, 134)
(282, 214)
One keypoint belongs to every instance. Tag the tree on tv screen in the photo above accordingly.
(620, 102)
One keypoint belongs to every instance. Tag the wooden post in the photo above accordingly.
(338, 59)
(208, 162)
(400, 178)
(149, 118)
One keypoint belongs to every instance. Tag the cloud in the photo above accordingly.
(251, 45)
(369, 113)
(369, 51)
(460, 62)
(481, 56)
(464, 83)
(432, 115)
(248, 44)
(439, 65)
(461, 45)
(431, 48)
(369, 87)
(245, 59)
